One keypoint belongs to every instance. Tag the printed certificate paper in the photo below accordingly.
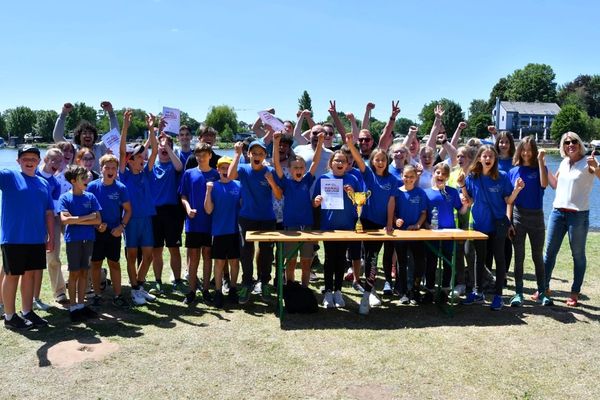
(332, 191)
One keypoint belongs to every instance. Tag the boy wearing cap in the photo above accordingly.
(80, 212)
(223, 203)
(136, 175)
(257, 188)
(198, 240)
(26, 233)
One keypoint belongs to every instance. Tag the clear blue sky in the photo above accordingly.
(255, 54)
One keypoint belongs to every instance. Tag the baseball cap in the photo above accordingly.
(224, 160)
(28, 149)
(257, 143)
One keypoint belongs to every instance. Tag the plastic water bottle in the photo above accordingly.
(434, 218)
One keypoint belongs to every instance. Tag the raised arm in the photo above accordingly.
(360, 163)
(336, 119)
(153, 142)
(366, 122)
(412, 135)
(276, 162)
(455, 138)
(113, 122)
(257, 125)
(58, 134)
(437, 123)
(385, 141)
(208, 203)
(173, 157)
(123, 144)
(298, 136)
(232, 173)
(318, 153)
(543, 169)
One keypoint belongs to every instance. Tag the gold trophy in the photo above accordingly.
(359, 199)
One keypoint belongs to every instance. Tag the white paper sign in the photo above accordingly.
(172, 118)
(111, 140)
(332, 191)
(269, 119)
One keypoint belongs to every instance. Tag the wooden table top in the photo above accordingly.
(369, 235)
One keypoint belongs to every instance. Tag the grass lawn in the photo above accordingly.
(167, 350)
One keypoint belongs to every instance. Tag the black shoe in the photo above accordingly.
(35, 319)
(232, 296)
(190, 297)
(120, 302)
(88, 312)
(415, 297)
(17, 323)
(76, 316)
(96, 301)
(427, 298)
(219, 299)
(206, 296)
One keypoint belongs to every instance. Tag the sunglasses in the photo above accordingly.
(364, 139)
(325, 133)
(568, 142)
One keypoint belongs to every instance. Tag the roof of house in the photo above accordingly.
(530, 108)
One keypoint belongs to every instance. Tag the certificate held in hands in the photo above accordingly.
(332, 191)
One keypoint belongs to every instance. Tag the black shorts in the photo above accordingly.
(106, 246)
(79, 254)
(167, 226)
(20, 258)
(226, 247)
(195, 240)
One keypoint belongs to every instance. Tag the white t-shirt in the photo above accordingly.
(574, 185)
(307, 153)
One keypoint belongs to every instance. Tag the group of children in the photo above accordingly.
(151, 198)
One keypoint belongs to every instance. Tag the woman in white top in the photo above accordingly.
(573, 184)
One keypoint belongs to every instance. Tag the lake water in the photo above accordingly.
(8, 157)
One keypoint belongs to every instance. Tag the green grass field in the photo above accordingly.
(167, 350)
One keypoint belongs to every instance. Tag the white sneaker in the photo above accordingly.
(328, 300)
(459, 290)
(404, 299)
(363, 308)
(137, 298)
(38, 304)
(146, 296)
(338, 299)
(374, 301)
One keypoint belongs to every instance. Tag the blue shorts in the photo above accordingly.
(138, 233)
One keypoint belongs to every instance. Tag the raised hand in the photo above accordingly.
(271, 111)
(127, 115)
(395, 109)
(277, 137)
(491, 129)
(106, 106)
(542, 157)
(67, 108)
(238, 147)
(460, 179)
(413, 129)
(439, 111)
(306, 113)
(150, 122)
(462, 125)
(371, 106)
(332, 109)
(161, 124)
(350, 117)
(349, 138)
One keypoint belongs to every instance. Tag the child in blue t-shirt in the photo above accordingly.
(137, 176)
(116, 213)
(222, 203)
(297, 208)
(444, 199)
(528, 216)
(198, 239)
(79, 212)
(490, 191)
(410, 214)
(256, 214)
(334, 218)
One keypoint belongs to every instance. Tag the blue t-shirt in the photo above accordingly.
(25, 200)
(53, 185)
(339, 219)
(446, 203)
(164, 184)
(409, 205)
(356, 173)
(193, 186)
(183, 155)
(532, 195)
(83, 204)
(488, 196)
(257, 202)
(382, 188)
(505, 164)
(397, 173)
(140, 193)
(111, 199)
(297, 208)
(226, 200)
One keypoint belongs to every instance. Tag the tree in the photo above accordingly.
(44, 124)
(222, 118)
(2, 126)
(583, 89)
(80, 112)
(479, 106)
(402, 124)
(478, 124)
(20, 121)
(305, 103)
(570, 118)
(453, 115)
(533, 83)
(185, 119)
(499, 90)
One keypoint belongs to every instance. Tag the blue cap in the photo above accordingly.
(257, 143)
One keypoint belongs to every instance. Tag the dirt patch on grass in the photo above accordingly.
(73, 352)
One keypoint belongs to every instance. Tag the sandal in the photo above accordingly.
(536, 295)
(572, 301)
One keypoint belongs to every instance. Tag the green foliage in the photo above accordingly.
(222, 117)
(533, 83)
(44, 123)
(80, 112)
(571, 118)
(226, 134)
(452, 117)
(401, 126)
(477, 125)
(185, 119)
(594, 128)
(3, 131)
(305, 103)
(583, 89)
(479, 106)
(344, 120)
(20, 121)
(499, 90)
(244, 126)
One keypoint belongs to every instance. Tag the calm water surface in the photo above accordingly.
(8, 160)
